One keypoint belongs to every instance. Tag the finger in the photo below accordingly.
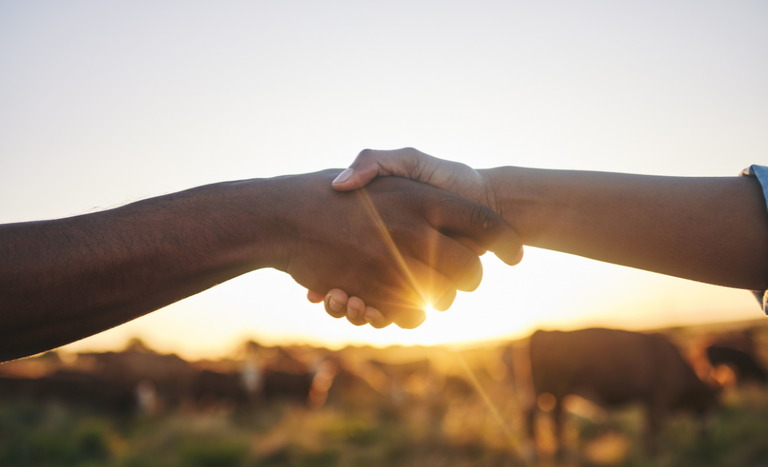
(451, 258)
(315, 297)
(375, 318)
(413, 319)
(423, 285)
(469, 243)
(355, 311)
(445, 302)
(336, 303)
(401, 305)
(488, 229)
(357, 322)
(371, 163)
(428, 283)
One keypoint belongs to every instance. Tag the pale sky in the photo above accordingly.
(104, 103)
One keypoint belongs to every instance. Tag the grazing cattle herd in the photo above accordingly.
(609, 368)
(614, 368)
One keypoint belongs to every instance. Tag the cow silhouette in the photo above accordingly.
(612, 368)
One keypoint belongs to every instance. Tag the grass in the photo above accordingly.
(444, 426)
(53, 436)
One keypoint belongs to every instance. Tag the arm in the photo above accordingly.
(65, 279)
(712, 230)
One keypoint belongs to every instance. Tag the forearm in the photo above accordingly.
(392, 245)
(66, 279)
(712, 230)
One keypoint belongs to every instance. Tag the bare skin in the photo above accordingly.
(712, 230)
(396, 245)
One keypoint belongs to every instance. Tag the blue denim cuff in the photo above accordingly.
(761, 173)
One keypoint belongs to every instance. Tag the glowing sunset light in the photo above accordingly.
(105, 104)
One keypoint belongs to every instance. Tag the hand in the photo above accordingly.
(339, 305)
(414, 165)
(397, 244)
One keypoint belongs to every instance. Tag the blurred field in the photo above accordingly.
(302, 406)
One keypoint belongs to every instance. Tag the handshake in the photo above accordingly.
(377, 243)
(380, 251)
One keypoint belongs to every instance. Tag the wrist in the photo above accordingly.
(260, 224)
(519, 195)
(284, 210)
(241, 221)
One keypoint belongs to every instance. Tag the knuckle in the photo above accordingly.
(482, 218)
(412, 152)
(464, 261)
(334, 314)
(415, 169)
(472, 262)
(357, 322)
(365, 154)
(412, 161)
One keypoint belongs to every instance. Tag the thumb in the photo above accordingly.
(356, 176)
(371, 163)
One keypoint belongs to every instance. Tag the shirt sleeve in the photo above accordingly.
(761, 173)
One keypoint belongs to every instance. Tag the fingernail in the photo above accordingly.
(352, 312)
(343, 176)
(335, 306)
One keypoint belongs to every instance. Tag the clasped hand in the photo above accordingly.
(388, 250)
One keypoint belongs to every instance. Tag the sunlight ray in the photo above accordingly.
(516, 451)
(367, 202)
